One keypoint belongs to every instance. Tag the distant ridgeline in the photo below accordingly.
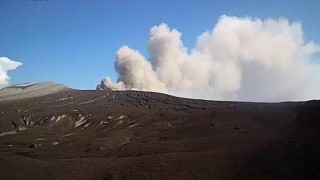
(29, 90)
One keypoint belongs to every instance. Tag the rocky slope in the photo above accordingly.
(73, 134)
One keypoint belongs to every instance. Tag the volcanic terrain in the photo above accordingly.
(49, 131)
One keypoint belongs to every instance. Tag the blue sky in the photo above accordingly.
(74, 42)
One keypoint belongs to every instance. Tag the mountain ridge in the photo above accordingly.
(30, 90)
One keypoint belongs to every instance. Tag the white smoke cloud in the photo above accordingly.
(6, 65)
(239, 59)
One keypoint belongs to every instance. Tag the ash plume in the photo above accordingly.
(241, 58)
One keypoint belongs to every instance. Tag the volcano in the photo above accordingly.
(50, 131)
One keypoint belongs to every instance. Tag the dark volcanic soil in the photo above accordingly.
(139, 135)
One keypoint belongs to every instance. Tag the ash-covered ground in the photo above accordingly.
(76, 134)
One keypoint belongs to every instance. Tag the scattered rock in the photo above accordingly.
(133, 125)
(55, 143)
(15, 126)
(34, 145)
(214, 124)
(80, 122)
(237, 128)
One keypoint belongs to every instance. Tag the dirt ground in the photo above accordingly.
(108, 135)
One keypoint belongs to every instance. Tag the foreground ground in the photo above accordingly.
(138, 135)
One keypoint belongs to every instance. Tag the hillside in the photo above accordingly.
(77, 134)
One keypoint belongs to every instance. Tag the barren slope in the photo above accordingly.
(76, 134)
(30, 90)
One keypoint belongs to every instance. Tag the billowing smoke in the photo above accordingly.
(6, 65)
(239, 59)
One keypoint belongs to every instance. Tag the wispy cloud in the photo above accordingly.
(6, 65)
